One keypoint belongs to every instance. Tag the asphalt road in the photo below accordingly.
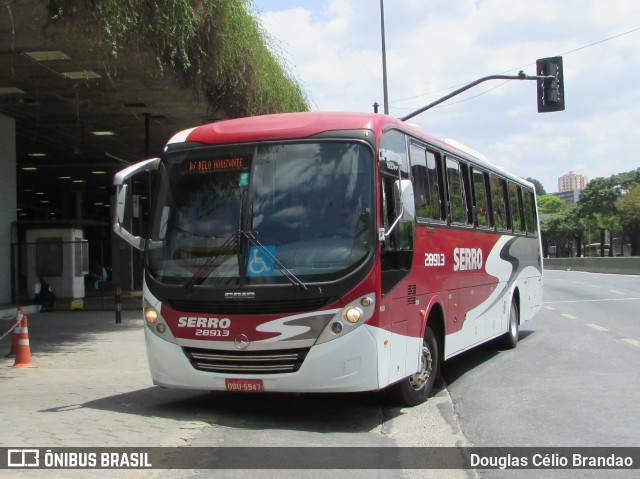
(572, 381)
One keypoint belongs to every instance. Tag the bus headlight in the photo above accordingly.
(352, 314)
(151, 316)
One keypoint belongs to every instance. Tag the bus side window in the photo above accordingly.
(530, 212)
(466, 192)
(426, 175)
(480, 198)
(499, 203)
(515, 200)
(396, 141)
(420, 180)
(458, 212)
(401, 239)
(436, 186)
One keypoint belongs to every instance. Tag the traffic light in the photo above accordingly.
(550, 90)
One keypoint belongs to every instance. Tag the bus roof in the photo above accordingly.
(286, 126)
(282, 126)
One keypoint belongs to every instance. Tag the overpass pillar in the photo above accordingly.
(8, 202)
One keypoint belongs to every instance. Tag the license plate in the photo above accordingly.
(244, 385)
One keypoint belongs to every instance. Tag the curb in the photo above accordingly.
(12, 311)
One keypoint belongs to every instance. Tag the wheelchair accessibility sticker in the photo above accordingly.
(259, 263)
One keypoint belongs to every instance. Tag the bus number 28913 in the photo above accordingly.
(222, 333)
(433, 259)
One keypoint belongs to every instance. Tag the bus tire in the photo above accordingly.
(509, 340)
(415, 389)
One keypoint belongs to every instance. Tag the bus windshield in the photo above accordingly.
(262, 214)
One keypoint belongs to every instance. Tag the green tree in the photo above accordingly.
(629, 207)
(551, 204)
(597, 206)
(561, 227)
(553, 235)
(576, 227)
(629, 178)
(218, 48)
(538, 186)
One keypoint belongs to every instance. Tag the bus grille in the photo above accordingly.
(247, 362)
(249, 307)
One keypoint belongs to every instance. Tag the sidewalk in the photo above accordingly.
(92, 388)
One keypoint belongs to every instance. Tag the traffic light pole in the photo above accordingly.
(550, 91)
(520, 76)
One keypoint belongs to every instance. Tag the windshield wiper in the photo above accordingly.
(276, 262)
(229, 244)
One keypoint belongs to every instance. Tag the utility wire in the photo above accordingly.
(506, 71)
(476, 96)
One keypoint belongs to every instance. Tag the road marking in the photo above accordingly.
(591, 300)
(633, 342)
(568, 316)
(550, 308)
(597, 327)
(615, 292)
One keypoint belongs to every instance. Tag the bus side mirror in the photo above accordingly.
(403, 190)
(403, 195)
(121, 197)
(121, 202)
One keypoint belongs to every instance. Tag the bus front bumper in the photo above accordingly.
(345, 364)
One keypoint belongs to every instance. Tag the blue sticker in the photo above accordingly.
(259, 262)
(243, 180)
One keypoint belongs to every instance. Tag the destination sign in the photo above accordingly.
(217, 164)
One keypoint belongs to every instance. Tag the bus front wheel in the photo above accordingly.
(415, 389)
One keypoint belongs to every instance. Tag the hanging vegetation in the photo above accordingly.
(217, 47)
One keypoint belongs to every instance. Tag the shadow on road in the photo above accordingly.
(354, 412)
(464, 363)
(73, 331)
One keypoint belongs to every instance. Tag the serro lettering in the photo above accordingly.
(465, 259)
(199, 322)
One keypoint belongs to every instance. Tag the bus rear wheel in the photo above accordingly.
(510, 339)
(415, 389)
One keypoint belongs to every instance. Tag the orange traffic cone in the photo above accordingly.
(16, 334)
(23, 353)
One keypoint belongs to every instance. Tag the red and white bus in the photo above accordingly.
(328, 252)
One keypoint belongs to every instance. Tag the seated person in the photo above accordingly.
(44, 295)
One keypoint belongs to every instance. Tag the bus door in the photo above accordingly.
(397, 249)
(396, 260)
(397, 246)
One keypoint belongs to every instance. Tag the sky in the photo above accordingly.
(333, 48)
